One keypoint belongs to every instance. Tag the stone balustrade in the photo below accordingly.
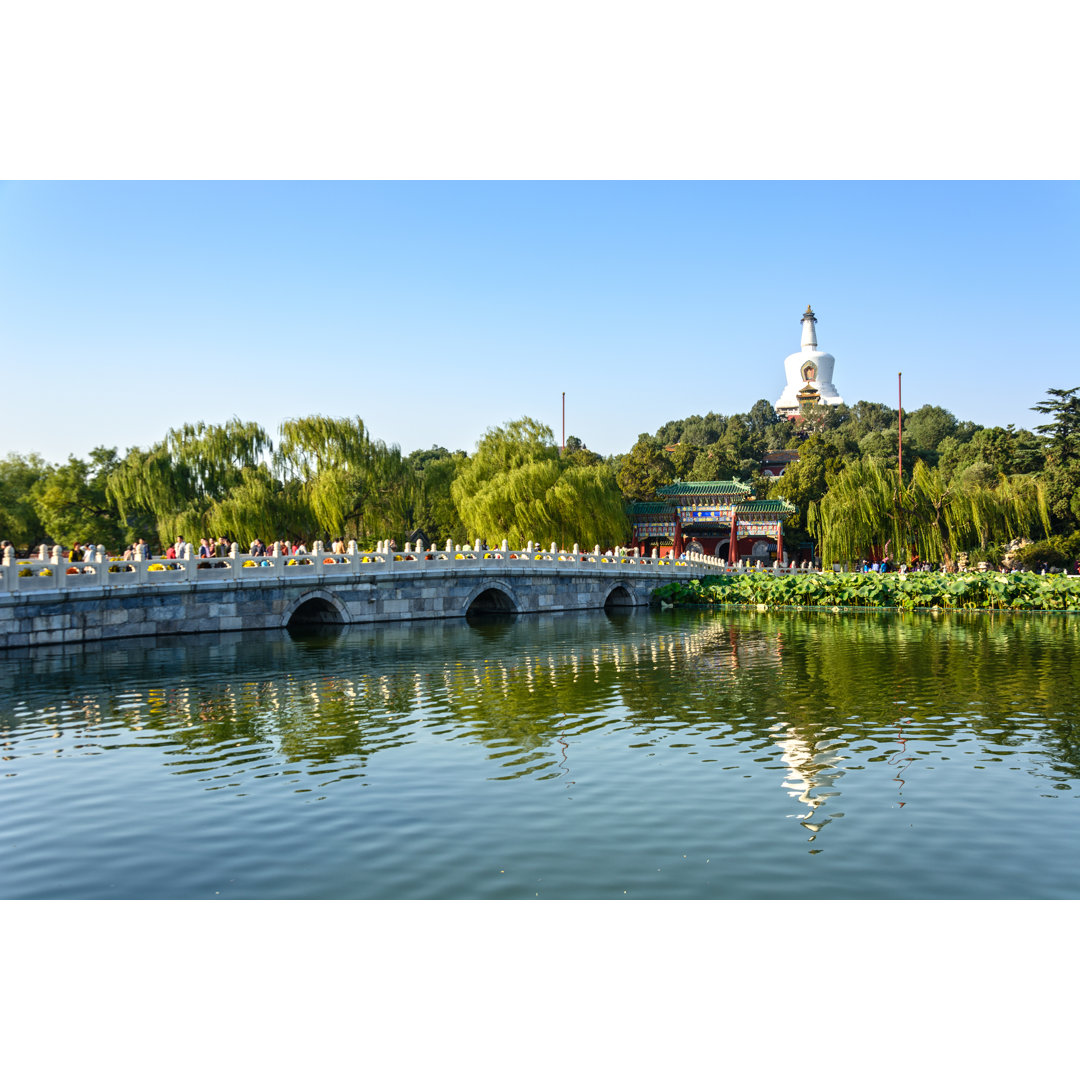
(50, 571)
(55, 573)
(49, 601)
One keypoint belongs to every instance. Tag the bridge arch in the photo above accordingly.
(316, 607)
(492, 597)
(620, 595)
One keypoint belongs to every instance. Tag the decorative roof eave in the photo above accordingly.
(639, 508)
(707, 487)
(775, 507)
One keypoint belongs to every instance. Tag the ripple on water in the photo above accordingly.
(366, 765)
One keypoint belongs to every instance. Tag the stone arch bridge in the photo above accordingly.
(53, 602)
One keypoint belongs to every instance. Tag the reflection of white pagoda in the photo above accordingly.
(809, 374)
(804, 764)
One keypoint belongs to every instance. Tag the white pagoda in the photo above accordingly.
(809, 374)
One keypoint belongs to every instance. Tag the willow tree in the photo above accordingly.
(949, 516)
(260, 505)
(858, 513)
(515, 487)
(585, 506)
(354, 486)
(933, 517)
(178, 480)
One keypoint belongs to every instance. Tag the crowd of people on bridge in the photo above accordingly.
(208, 548)
(221, 548)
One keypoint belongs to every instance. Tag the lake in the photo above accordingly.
(662, 755)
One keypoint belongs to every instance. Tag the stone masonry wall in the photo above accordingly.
(97, 614)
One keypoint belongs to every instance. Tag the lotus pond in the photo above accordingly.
(971, 591)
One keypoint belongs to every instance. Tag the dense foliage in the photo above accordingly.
(325, 478)
(963, 488)
(974, 590)
(516, 486)
(931, 518)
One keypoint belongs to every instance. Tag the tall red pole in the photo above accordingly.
(900, 455)
(900, 421)
(564, 421)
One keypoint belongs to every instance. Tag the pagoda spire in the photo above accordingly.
(809, 334)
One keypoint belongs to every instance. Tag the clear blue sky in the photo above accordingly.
(434, 310)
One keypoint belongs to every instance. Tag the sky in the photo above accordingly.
(435, 310)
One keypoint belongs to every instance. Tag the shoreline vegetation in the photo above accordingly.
(917, 590)
(859, 491)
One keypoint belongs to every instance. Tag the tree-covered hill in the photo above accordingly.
(963, 486)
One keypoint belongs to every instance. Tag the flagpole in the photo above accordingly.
(900, 458)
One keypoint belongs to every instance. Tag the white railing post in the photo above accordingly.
(10, 572)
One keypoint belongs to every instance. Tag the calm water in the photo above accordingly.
(650, 755)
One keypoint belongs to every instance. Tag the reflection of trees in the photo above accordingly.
(801, 690)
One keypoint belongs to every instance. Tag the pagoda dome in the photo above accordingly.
(809, 367)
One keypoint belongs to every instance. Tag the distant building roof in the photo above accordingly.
(779, 457)
(707, 487)
(764, 506)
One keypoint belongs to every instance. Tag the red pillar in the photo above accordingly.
(733, 550)
(780, 542)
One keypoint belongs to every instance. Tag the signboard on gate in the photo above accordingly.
(757, 528)
(713, 515)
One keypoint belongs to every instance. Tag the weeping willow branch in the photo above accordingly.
(932, 518)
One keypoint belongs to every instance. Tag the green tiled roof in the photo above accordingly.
(765, 506)
(650, 508)
(706, 487)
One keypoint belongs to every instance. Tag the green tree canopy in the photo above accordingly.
(926, 427)
(932, 518)
(355, 486)
(434, 512)
(647, 467)
(177, 481)
(73, 504)
(515, 487)
(19, 520)
(1062, 446)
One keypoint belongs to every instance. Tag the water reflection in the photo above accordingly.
(804, 699)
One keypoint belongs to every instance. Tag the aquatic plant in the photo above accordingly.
(974, 590)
